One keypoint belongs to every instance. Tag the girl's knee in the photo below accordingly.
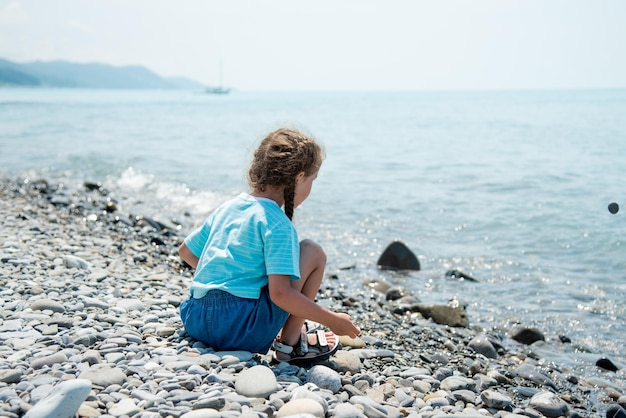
(310, 248)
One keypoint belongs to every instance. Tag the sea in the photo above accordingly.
(511, 188)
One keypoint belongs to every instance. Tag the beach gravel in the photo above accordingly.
(89, 327)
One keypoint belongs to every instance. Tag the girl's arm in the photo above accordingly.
(187, 255)
(297, 304)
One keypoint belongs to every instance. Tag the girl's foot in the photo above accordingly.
(312, 348)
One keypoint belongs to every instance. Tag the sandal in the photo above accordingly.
(311, 326)
(303, 353)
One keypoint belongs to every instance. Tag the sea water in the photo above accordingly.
(509, 187)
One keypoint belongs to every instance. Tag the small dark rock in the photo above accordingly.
(456, 274)
(350, 267)
(91, 186)
(615, 411)
(157, 241)
(607, 364)
(395, 293)
(527, 336)
(110, 206)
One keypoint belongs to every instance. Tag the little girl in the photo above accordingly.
(254, 280)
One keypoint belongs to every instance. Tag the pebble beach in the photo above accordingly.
(89, 327)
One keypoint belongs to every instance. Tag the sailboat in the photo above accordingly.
(219, 89)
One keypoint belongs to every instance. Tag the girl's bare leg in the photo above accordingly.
(312, 265)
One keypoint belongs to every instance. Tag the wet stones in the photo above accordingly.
(110, 318)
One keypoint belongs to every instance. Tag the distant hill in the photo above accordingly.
(99, 76)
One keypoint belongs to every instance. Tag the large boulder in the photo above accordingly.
(397, 256)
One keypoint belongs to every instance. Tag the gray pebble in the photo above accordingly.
(453, 383)
(483, 346)
(549, 404)
(10, 376)
(125, 407)
(103, 375)
(72, 261)
(301, 408)
(370, 408)
(201, 413)
(497, 400)
(47, 305)
(325, 378)
(39, 362)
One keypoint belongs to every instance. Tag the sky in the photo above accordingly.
(333, 44)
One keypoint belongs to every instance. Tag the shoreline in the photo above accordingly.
(92, 294)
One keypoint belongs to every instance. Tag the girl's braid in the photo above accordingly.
(289, 194)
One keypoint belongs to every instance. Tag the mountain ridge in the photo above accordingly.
(61, 73)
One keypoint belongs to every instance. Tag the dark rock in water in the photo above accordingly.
(349, 267)
(527, 335)
(615, 411)
(565, 339)
(41, 185)
(443, 314)
(395, 293)
(91, 186)
(397, 256)
(606, 364)
(456, 274)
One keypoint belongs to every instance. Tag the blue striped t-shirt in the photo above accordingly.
(240, 244)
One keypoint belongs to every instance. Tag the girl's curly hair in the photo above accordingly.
(280, 157)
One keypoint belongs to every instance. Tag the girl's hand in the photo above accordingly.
(342, 325)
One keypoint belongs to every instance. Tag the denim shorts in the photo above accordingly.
(227, 322)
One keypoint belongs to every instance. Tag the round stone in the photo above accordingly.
(549, 404)
(483, 346)
(256, 382)
(301, 406)
(325, 378)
